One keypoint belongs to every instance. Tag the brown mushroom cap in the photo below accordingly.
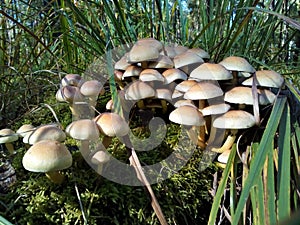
(215, 109)
(236, 63)
(200, 52)
(47, 156)
(162, 61)
(84, 129)
(234, 119)
(152, 42)
(69, 94)
(186, 58)
(132, 71)
(122, 63)
(187, 115)
(203, 90)
(185, 85)
(112, 124)
(243, 95)
(91, 88)
(211, 71)
(183, 102)
(266, 78)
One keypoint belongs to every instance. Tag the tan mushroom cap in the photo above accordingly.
(139, 90)
(45, 132)
(243, 95)
(185, 85)
(215, 109)
(236, 63)
(69, 94)
(211, 71)
(173, 74)
(150, 42)
(177, 94)
(8, 136)
(200, 52)
(91, 88)
(223, 157)
(151, 75)
(186, 58)
(234, 119)
(47, 156)
(183, 102)
(112, 124)
(84, 129)
(122, 63)
(163, 93)
(179, 49)
(266, 78)
(100, 157)
(169, 51)
(132, 71)
(203, 90)
(25, 129)
(72, 80)
(187, 115)
(142, 53)
(163, 62)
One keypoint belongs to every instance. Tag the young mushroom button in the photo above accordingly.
(6, 137)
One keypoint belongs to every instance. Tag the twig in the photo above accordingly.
(80, 205)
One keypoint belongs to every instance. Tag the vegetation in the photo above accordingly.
(41, 42)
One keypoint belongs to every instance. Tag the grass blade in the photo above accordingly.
(260, 156)
(284, 155)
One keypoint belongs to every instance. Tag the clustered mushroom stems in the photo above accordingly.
(55, 176)
(230, 139)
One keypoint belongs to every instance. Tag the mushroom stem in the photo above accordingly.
(141, 104)
(201, 136)
(164, 106)
(106, 141)
(85, 148)
(194, 137)
(228, 142)
(56, 177)
(10, 148)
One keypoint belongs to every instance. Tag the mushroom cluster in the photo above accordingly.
(215, 100)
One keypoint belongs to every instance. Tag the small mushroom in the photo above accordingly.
(48, 157)
(6, 137)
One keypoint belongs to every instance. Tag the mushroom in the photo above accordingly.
(99, 159)
(192, 118)
(45, 132)
(187, 61)
(72, 80)
(91, 89)
(25, 129)
(111, 125)
(211, 71)
(6, 137)
(232, 120)
(84, 130)
(142, 53)
(266, 78)
(48, 157)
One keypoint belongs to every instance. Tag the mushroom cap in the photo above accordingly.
(200, 52)
(112, 124)
(47, 156)
(139, 90)
(183, 102)
(151, 75)
(170, 51)
(266, 78)
(100, 157)
(72, 80)
(163, 93)
(185, 85)
(211, 71)
(8, 135)
(69, 94)
(150, 42)
(141, 53)
(243, 95)
(215, 109)
(179, 49)
(122, 63)
(186, 58)
(173, 74)
(162, 61)
(234, 119)
(45, 132)
(236, 63)
(223, 157)
(84, 129)
(177, 94)
(132, 71)
(91, 88)
(25, 129)
(203, 90)
(187, 115)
